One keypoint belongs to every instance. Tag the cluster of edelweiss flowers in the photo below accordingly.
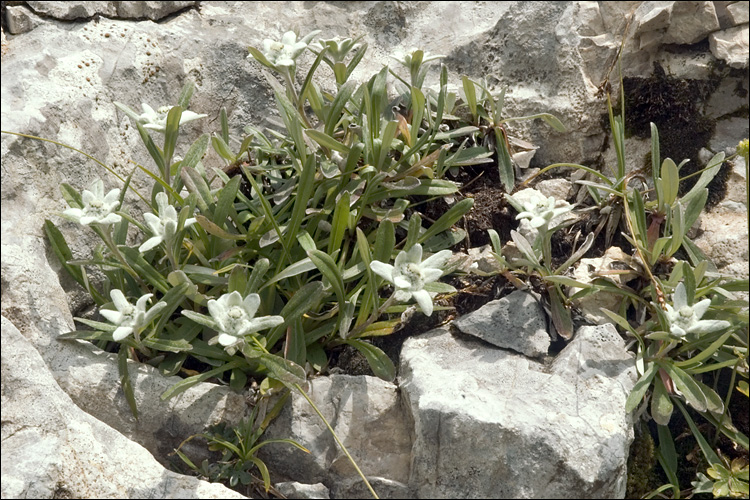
(234, 317)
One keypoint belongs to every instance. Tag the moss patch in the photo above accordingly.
(673, 105)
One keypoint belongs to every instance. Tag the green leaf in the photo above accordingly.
(170, 137)
(224, 125)
(667, 452)
(326, 140)
(337, 106)
(670, 181)
(225, 204)
(256, 276)
(707, 450)
(222, 149)
(641, 386)
(661, 403)
(687, 386)
(196, 184)
(285, 371)
(379, 362)
(471, 96)
(168, 345)
(299, 267)
(448, 219)
(212, 228)
(186, 94)
(173, 298)
(189, 382)
(551, 120)
(153, 150)
(655, 154)
(304, 190)
(327, 266)
(125, 383)
(706, 177)
(339, 223)
(504, 162)
(385, 242)
(237, 380)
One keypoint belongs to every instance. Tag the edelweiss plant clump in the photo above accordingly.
(263, 268)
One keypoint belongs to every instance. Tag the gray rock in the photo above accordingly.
(53, 449)
(126, 10)
(293, 489)
(514, 322)
(489, 423)
(739, 13)
(559, 189)
(20, 19)
(691, 22)
(366, 414)
(731, 45)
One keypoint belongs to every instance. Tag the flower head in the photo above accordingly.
(130, 318)
(686, 319)
(235, 318)
(97, 208)
(281, 55)
(410, 274)
(157, 120)
(163, 226)
(537, 209)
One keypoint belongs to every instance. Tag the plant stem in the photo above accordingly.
(336, 438)
(107, 238)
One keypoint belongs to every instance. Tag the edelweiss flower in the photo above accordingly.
(129, 318)
(284, 53)
(235, 317)
(409, 275)
(164, 226)
(686, 319)
(157, 120)
(538, 210)
(97, 208)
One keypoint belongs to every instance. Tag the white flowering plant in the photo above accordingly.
(261, 258)
(687, 325)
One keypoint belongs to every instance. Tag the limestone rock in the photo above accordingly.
(731, 45)
(127, 10)
(559, 189)
(293, 489)
(489, 423)
(615, 265)
(739, 13)
(691, 22)
(53, 449)
(514, 322)
(20, 19)
(366, 414)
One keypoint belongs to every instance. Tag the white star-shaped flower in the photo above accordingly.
(157, 120)
(235, 318)
(163, 226)
(97, 208)
(685, 319)
(130, 318)
(284, 53)
(540, 210)
(409, 274)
